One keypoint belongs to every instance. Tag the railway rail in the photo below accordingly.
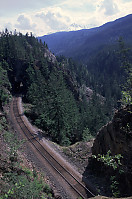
(78, 187)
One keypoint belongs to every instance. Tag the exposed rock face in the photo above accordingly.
(116, 136)
(88, 92)
(49, 55)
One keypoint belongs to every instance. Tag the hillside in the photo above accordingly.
(19, 176)
(58, 101)
(113, 157)
(98, 50)
(68, 102)
(81, 44)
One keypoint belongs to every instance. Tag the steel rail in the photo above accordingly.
(30, 139)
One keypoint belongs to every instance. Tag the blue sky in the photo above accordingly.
(47, 16)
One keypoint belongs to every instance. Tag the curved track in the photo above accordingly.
(74, 183)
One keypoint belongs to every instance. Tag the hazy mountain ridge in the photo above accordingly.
(76, 44)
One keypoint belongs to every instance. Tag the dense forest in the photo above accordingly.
(82, 44)
(57, 87)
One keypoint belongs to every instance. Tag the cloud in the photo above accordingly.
(109, 7)
(24, 23)
(79, 6)
(16, 6)
(9, 26)
(127, 1)
(44, 16)
(8, 7)
(54, 19)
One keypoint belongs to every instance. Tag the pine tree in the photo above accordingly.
(127, 66)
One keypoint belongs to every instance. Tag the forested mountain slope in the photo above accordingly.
(81, 44)
(69, 101)
(59, 106)
(99, 53)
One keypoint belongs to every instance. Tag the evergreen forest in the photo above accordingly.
(57, 87)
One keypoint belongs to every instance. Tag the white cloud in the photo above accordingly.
(44, 16)
(9, 26)
(24, 23)
(54, 20)
(110, 7)
(17, 6)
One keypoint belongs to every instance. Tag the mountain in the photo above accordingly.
(55, 93)
(83, 43)
(98, 51)
(111, 156)
(117, 139)
(54, 89)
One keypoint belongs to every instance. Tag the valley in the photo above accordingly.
(81, 106)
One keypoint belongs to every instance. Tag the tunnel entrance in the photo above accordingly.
(17, 86)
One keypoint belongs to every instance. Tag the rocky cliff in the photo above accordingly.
(116, 136)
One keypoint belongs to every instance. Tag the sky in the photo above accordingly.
(43, 17)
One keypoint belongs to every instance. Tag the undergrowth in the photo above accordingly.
(18, 182)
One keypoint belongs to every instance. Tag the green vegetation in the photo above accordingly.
(109, 160)
(114, 162)
(52, 86)
(57, 91)
(126, 64)
(97, 109)
(55, 107)
(86, 136)
(114, 187)
(16, 181)
(4, 85)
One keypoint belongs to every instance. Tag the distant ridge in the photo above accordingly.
(83, 43)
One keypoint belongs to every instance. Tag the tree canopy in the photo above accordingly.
(55, 87)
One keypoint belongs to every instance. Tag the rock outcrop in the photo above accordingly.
(116, 136)
(49, 55)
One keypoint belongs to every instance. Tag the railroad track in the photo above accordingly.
(78, 187)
